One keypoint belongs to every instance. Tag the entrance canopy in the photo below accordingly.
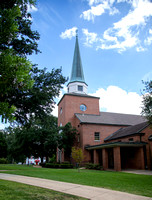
(116, 144)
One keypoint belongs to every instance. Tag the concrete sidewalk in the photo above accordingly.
(74, 189)
(135, 171)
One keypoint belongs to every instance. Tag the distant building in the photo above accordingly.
(116, 141)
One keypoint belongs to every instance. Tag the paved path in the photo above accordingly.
(89, 192)
(134, 171)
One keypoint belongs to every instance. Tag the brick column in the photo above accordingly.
(142, 161)
(95, 159)
(105, 159)
(117, 159)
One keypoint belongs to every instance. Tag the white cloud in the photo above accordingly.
(99, 9)
(125, 33)
(90, 38)
(91, 2)
(140, 49)
(68, 33)
(148, 41)
(31, 8)
(94, 11)
(115, 99)
(55, 110)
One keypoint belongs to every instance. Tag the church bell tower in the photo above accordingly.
(77, 82)
(76, 100)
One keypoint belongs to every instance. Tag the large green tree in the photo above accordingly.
(3, 145)
(67, 136)
(147, 101)
(38, 139)
(15, 27)
(17, 40)
(39, 100)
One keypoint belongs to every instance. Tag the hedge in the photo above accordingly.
(54, 165)
(3, 161)
(93, 166)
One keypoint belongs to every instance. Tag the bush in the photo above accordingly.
(66, 166)
(93, 166)
(52, 165)
(43, 164)
(55, 165)
(53, 159)
(3, 161)
(65, 162)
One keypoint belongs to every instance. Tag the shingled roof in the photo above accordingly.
(110, 119)
(128, 131)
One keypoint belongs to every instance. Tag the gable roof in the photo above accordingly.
(110, 119)
(128, 131)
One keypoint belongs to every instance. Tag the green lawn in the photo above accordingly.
(16, 191)
(132, 183)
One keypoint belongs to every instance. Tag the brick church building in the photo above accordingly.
(116, 141)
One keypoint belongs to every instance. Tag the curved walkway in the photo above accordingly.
(135, 171)
(89, 192)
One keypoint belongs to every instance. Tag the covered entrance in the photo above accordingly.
(133, 157)
(119, 155)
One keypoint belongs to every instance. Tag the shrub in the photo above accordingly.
(53, 159)
(43, 164)
(3, 161)
(65, 162)
(52, 165)
(93, 166)
(66, 166)
(55, 165)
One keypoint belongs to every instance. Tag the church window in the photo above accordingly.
(80, 88)
(60, 110)
(83, 107)
(96, 136)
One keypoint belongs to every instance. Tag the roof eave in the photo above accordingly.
(124, 136)
(116, 144)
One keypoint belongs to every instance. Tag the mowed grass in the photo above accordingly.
(16, 191)
(131, 183)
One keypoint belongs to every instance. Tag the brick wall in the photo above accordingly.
(71, 104)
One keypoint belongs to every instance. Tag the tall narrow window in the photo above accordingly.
(96, 136)
(80, 88)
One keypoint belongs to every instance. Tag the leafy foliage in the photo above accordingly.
(17, 40)
(77, 155)
(3, 146)
(38, 101)
(39, 138)
(15, 26)
(67, 138)
(14, 75)
(93, 166)
(147, 101)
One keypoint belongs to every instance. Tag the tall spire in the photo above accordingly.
(77, 82)
(77, 70)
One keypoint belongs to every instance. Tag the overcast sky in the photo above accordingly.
(115, 39)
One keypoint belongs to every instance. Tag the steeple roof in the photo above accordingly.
(77, 70)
